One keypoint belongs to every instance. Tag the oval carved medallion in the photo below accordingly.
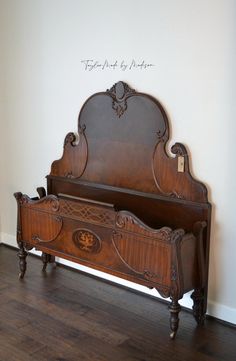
(86, 240)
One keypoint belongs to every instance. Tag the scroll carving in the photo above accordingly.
(179, 149)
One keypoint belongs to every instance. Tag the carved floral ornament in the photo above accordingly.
(86, 240)
(120, 93)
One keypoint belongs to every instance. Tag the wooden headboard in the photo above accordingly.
(123, 136)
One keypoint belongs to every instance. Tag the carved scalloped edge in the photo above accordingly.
(124, 219)
(178, 149)
(50, 201)
(71, 140)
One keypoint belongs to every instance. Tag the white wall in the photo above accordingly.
(191, 43)
(2, 108)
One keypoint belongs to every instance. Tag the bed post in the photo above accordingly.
(22, 253)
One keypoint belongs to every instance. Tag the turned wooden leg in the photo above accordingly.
(22, 259)
(199, 309)
(174, 317)
(47, 258)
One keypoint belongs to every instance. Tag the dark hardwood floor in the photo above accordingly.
(63, 315)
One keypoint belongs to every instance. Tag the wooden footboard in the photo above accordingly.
(98, 236)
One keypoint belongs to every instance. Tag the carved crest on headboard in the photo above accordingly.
(119, 93)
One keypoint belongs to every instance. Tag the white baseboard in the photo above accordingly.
(215, 309)
(222, 312)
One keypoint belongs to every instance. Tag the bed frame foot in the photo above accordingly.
(47, 258)
(199, 313)
(174, 308)
(22, 254)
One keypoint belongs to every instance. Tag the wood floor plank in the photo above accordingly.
(63, 315)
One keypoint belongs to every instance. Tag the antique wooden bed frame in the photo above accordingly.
(117, 202)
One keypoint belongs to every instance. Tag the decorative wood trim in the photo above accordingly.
(87, 213)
